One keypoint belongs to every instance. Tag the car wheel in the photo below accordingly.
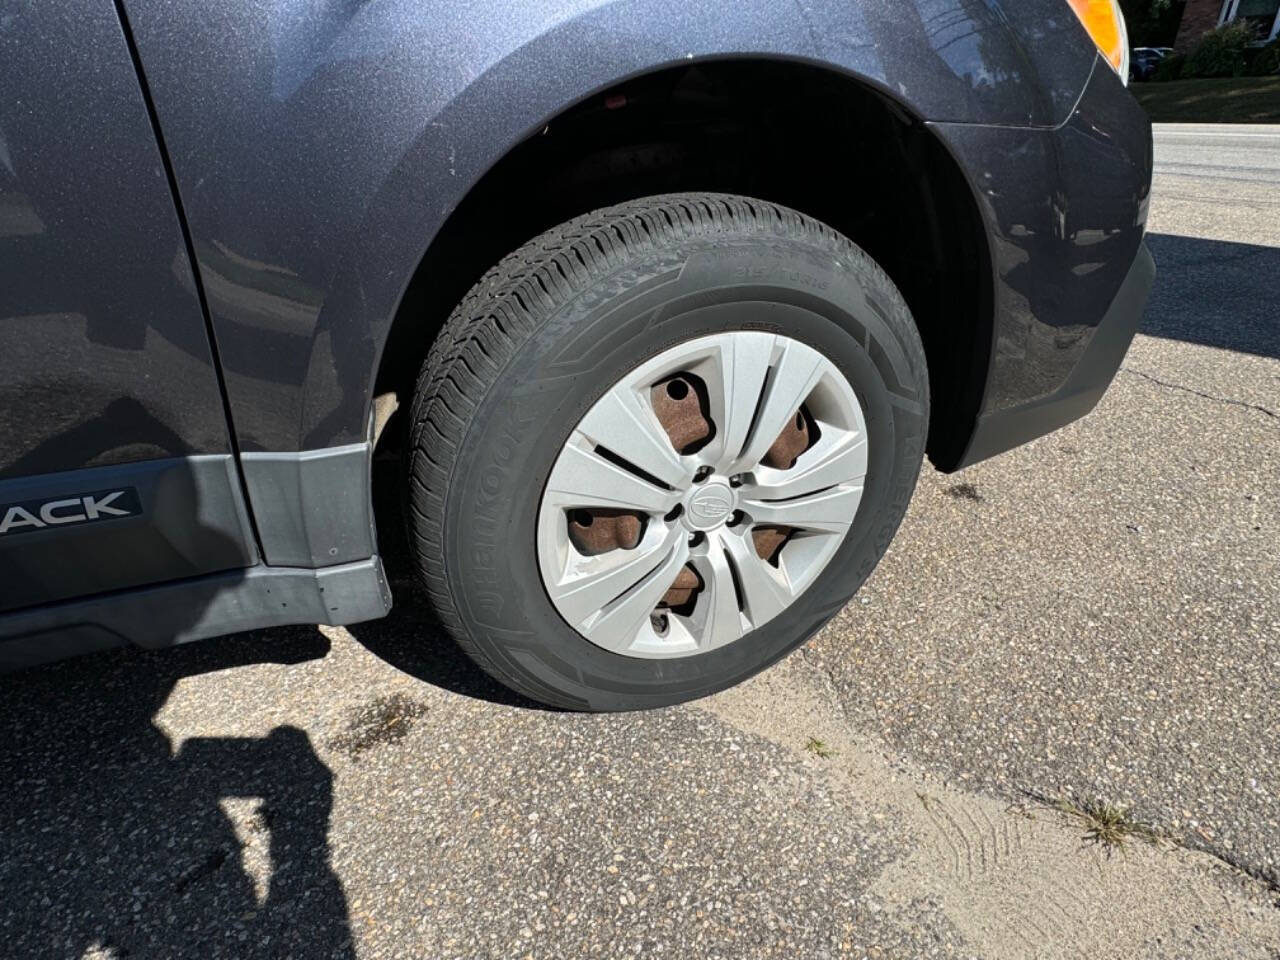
(659, 446)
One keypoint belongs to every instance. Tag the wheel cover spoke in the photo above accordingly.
(596, 581)
(722, 621)
(583, 478)
(839, 457)
(625, 423)
(765, 593)
(830, 511)
(739, 368)
(618, 623)
(756, 527)
(795, 374)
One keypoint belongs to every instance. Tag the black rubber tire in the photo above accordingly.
(552, 327)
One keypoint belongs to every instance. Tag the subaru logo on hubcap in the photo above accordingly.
(710, 505)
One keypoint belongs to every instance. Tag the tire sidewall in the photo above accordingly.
(661, 297)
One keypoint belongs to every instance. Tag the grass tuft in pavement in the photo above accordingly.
(1106, 824)
(818, 748)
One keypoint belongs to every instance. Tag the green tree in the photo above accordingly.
(1152, 23)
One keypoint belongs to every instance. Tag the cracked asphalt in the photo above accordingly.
(1096, 615)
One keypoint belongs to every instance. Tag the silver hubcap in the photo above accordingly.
(651, 550)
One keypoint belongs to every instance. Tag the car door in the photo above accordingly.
(116, 462)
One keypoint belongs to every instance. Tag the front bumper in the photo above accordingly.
(1065, 211)
(1005, 429)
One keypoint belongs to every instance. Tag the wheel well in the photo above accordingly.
(790, 133)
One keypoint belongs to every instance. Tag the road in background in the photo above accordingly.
(1209, 151)
(1095, 615)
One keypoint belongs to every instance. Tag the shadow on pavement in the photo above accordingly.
(411, 638)
(1215, 293)
(111, 840)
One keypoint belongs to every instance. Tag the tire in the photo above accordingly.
(553, 327)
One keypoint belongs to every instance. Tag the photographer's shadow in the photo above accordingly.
(112, 839)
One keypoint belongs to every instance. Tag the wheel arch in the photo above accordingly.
(684, 126)
(327, 148)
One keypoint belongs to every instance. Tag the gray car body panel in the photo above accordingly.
(320, 146)
(314, 509)
(1066, 212)
(104, 354)
(107, 377)
(186, 516)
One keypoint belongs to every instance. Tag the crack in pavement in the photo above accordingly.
(1207, 396)
(1263, 876)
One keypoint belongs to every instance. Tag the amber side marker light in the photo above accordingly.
(1105, 23)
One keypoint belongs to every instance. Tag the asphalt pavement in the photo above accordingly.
(1208, 151)
(1095, 617)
